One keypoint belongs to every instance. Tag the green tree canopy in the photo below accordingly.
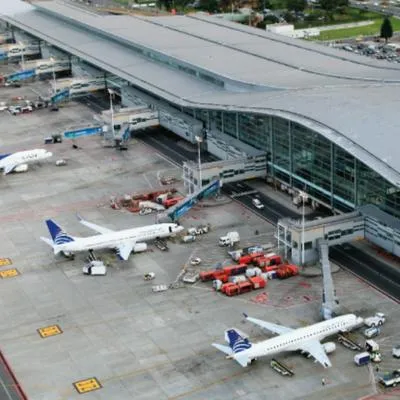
(296, 5)
(386, 29)
(330, 5)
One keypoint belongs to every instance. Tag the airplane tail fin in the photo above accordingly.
(238, 343)
(4, 155)
(57, 234)
(237, 340)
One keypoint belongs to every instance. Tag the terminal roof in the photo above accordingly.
(348, 98)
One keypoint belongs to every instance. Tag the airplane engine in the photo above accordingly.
(21, 168)
(138, 247)
(329, 347)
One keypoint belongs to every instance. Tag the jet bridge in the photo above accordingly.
(329, 300)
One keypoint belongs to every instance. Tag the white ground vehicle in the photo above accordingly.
(188, 238)
(199, 230)
(3, 106)
(371, 346)
(377, 320)
(95, 267)
(149, 276)
(145, 211)
(396, 351)
(392, 380)
(229, 239)
(257, 203)
(195, 261)
(372, 332)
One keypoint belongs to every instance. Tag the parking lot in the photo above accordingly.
(380, 51)
(112, 332)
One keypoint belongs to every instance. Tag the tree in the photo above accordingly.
(386, 29)
(296, 5)
(209, 5)
(330, 5)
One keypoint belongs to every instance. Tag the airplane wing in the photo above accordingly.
(124, 249)
(96, 228)
(8, 168)
(316, 350)
(279, 329)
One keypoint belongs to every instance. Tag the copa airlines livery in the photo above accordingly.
(124, 242)
(11, 162)
(306, 339)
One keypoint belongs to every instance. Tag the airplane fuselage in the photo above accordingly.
(112, 239)
(292, 341)
(24, 157)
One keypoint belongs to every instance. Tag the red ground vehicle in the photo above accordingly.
(235, 269)
(171, 202)
(266, 261)
(233, 289)
(286, 271)
(214, 274)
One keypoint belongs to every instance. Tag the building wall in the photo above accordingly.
(305, 160)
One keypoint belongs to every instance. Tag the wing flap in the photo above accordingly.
(95, 227)
(279, 329)
(125, 249)
(316, 350)
(8, 168)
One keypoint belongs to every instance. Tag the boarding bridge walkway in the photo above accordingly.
(329, 299)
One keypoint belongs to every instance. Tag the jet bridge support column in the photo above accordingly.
(329, 299)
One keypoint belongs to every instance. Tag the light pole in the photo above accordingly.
(111, 93)
(303, 197)
(22, 55)
(199, 140)
(54, 74)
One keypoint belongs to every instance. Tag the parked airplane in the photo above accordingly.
(13, 161)
(306, 339)
(124, 241)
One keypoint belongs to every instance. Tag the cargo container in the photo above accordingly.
(266, 261)
(237, 278)
(215, 274)
(246, 259)
(286, 271)
(235, 269)
(245, 287)
(253, 272)
(258, 282)
(362, 358)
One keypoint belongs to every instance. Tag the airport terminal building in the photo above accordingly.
(324, 120)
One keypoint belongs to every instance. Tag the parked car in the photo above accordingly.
(377, 320)
(257, 203)
(372, 332)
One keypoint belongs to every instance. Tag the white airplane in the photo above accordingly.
(124, 242)
(16, 161)
(306, 339)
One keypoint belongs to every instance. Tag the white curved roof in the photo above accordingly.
(353, 100)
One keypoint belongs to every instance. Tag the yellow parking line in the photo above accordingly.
(5, 261)
(9, 273)
(87, 385)
(51, 330)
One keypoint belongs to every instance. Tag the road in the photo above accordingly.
(389, 10)
(380, 275)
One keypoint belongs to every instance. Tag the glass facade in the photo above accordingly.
(304, 159)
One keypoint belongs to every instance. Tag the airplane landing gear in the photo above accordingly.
(91, 256)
